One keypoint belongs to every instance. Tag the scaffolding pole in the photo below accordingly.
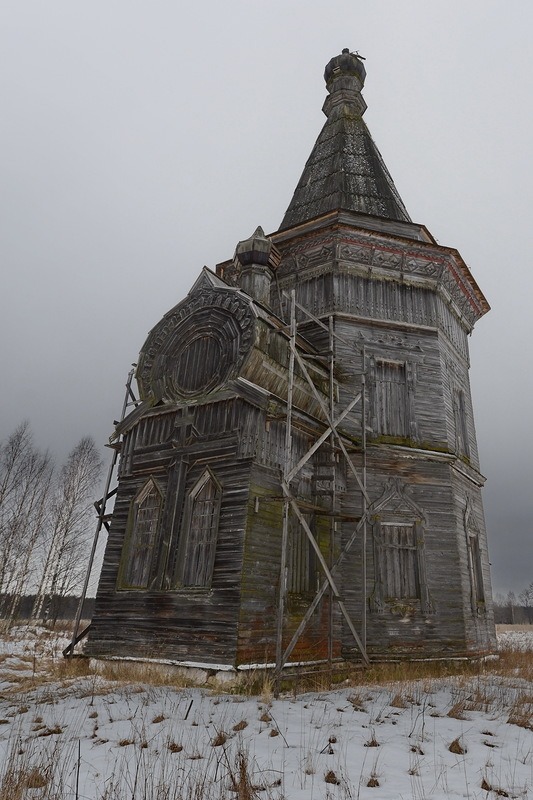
(332, 457)
(365, 503)
(129, 399)
(286, 508)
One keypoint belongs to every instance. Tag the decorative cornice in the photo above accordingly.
(371, 256)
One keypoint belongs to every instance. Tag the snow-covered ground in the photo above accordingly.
(89, 737)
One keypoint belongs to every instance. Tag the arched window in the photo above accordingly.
(141, 542)
(392, 398)
(475, 566)
(461, 427)
(196, 556)
(399, 563)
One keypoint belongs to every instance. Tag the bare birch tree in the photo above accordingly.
(70, 528)
(526, 599)
(25, 482)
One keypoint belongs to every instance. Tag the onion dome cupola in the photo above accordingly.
(345, 170)
(256, 259)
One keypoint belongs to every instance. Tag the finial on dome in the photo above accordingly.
(258, 249)
(345, 77)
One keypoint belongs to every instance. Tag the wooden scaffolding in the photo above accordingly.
(292, 507)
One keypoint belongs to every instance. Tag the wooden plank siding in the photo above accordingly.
(403, 319)
(401, 307)
(188, 624)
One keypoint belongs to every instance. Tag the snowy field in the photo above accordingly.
(89, 736)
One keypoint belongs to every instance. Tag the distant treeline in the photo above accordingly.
(55, 607)
(513, 615)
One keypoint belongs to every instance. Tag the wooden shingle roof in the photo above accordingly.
(345, 170)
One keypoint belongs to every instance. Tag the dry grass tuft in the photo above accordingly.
(267, 691)
(398, 701)
(240, 778)
(55, 731)
(485, 785)
(220, 739)
(457, 711)
(357, 701)
(240, 726)
(174, 747)
(513, 664)
(137, 672)
(330, 777)
(521, 712)
(68, 668)
(456, 747)
(17, 782)
(408, 672)
(372, 742)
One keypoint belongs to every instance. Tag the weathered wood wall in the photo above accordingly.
(393, 300)
(404, 317)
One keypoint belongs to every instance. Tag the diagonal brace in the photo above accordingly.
(329, 577)
(326, 413)
(322, 439)
(319, 595)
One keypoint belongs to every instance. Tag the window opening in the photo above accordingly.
(474, 556)
(461, 429)
(391, 399)
(478, 593)
(301, 562)
(401, 580)
(145, 514)
(200, 529)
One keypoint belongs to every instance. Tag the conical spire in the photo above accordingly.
(345, 169)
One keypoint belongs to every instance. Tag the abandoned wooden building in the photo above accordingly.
(299, 478)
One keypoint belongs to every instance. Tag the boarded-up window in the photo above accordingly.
(301, 561)
(197, 362)
(475, 563)
(461, 429)
(401, 580)
(198, 547)
(141, 543)
(391, 399)
(478, 593)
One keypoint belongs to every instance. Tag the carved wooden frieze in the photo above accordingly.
(197, 347)
(355, 251)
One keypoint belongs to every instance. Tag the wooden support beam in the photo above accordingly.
(329, 577)
(330, 422)
(320, 593)
(285, 529)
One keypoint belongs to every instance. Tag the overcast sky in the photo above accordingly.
(142, 140)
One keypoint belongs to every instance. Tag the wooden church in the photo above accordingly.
(299, 479)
